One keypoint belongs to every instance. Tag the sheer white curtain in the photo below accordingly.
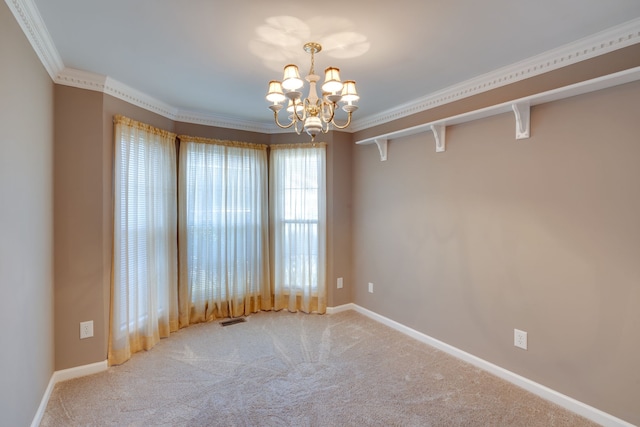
(144, 304)
(223, 227)
(297, 200)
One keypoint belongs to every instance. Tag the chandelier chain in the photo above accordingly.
(313, 62)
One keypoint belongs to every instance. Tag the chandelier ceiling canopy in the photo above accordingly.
(312, 114)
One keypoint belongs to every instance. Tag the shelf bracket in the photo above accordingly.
(382, 148)
(522, 111)
(439, 135)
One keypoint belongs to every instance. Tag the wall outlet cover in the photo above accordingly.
(520, 339)
(86, 329)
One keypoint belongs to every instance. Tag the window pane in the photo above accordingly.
(225, 203)
(298, 200)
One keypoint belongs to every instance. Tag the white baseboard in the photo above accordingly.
(340, 308)
(80, 371)
(43, 403)
(566, 402)
(64, 375)
(560, 399)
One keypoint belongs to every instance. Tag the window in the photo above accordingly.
(224, 212)
(298, 213)
(145, 231)
(219, 216)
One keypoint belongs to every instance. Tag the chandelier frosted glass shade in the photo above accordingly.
(312, 114)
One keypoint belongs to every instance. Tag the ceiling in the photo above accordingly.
(216, 57)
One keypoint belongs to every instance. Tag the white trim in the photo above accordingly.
(81, 79)
(133, 96)
(37, 419)
(225, 122)
(80, 371)
(597, 44)
(64, 375)
(29, 19)
(580, 88)
(341, 308)
(566, 402)
(104, 84)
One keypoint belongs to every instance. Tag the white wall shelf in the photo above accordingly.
(520, 107)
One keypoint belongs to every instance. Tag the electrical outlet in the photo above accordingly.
(340, 284)
(520, 339)
(370, 287)
(86, 329)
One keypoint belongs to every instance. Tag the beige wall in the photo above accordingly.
(339, 200)
(26, 226)
(78, 214)
(84, 212)
(495, 233)
(84, 218)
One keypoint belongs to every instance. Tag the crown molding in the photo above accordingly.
(104, 84)
(598, 44)
(208, 119)
(81, 79)
(132, 96)
(28, 17)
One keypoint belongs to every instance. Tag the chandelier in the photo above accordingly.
(312, 114)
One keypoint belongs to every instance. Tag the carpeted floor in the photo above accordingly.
(284, 369)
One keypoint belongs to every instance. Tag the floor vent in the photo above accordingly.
(233, 321)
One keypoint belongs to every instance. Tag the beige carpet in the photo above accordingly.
(283, 369)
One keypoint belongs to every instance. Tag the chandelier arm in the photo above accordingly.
(275, 117)
(332, 108)
(342, 126)
(318, 114)
(295, 111)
